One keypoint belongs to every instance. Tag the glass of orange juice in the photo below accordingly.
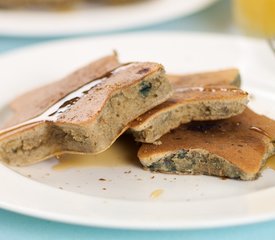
(256, 17)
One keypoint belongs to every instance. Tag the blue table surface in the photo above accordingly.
(216, 18)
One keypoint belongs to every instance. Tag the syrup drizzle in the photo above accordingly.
(261, 131)
(122, 153)
(64, 104)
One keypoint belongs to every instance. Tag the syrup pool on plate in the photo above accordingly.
(122, 153)
(270, 163)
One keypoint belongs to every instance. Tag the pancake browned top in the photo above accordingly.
(223, 77)
(88, 105)
(44, 97)
(243, 140)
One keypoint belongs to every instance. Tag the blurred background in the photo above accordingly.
(24, 22)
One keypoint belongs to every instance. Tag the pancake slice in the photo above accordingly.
(197, 97)
(235, 148)
(88, 119)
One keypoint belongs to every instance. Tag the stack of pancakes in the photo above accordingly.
(186, 124)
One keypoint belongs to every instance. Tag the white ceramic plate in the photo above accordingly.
(187, 201)
(94, 18)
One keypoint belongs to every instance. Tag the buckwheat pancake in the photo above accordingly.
(197, 97)
(90, 118)
(236, 148)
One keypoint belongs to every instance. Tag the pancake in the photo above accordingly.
(197, 97)
(87, 120)
(235, 148)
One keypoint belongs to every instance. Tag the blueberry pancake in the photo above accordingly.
(235, 148)
(88, 117)
(197, 97)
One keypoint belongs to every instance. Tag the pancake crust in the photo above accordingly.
(236, 148)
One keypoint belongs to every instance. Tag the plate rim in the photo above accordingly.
(129, 225)
(178, 12)
(126, 224)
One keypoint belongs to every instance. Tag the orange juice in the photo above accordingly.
(256, 17)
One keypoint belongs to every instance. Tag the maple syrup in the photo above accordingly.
(122, 153)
